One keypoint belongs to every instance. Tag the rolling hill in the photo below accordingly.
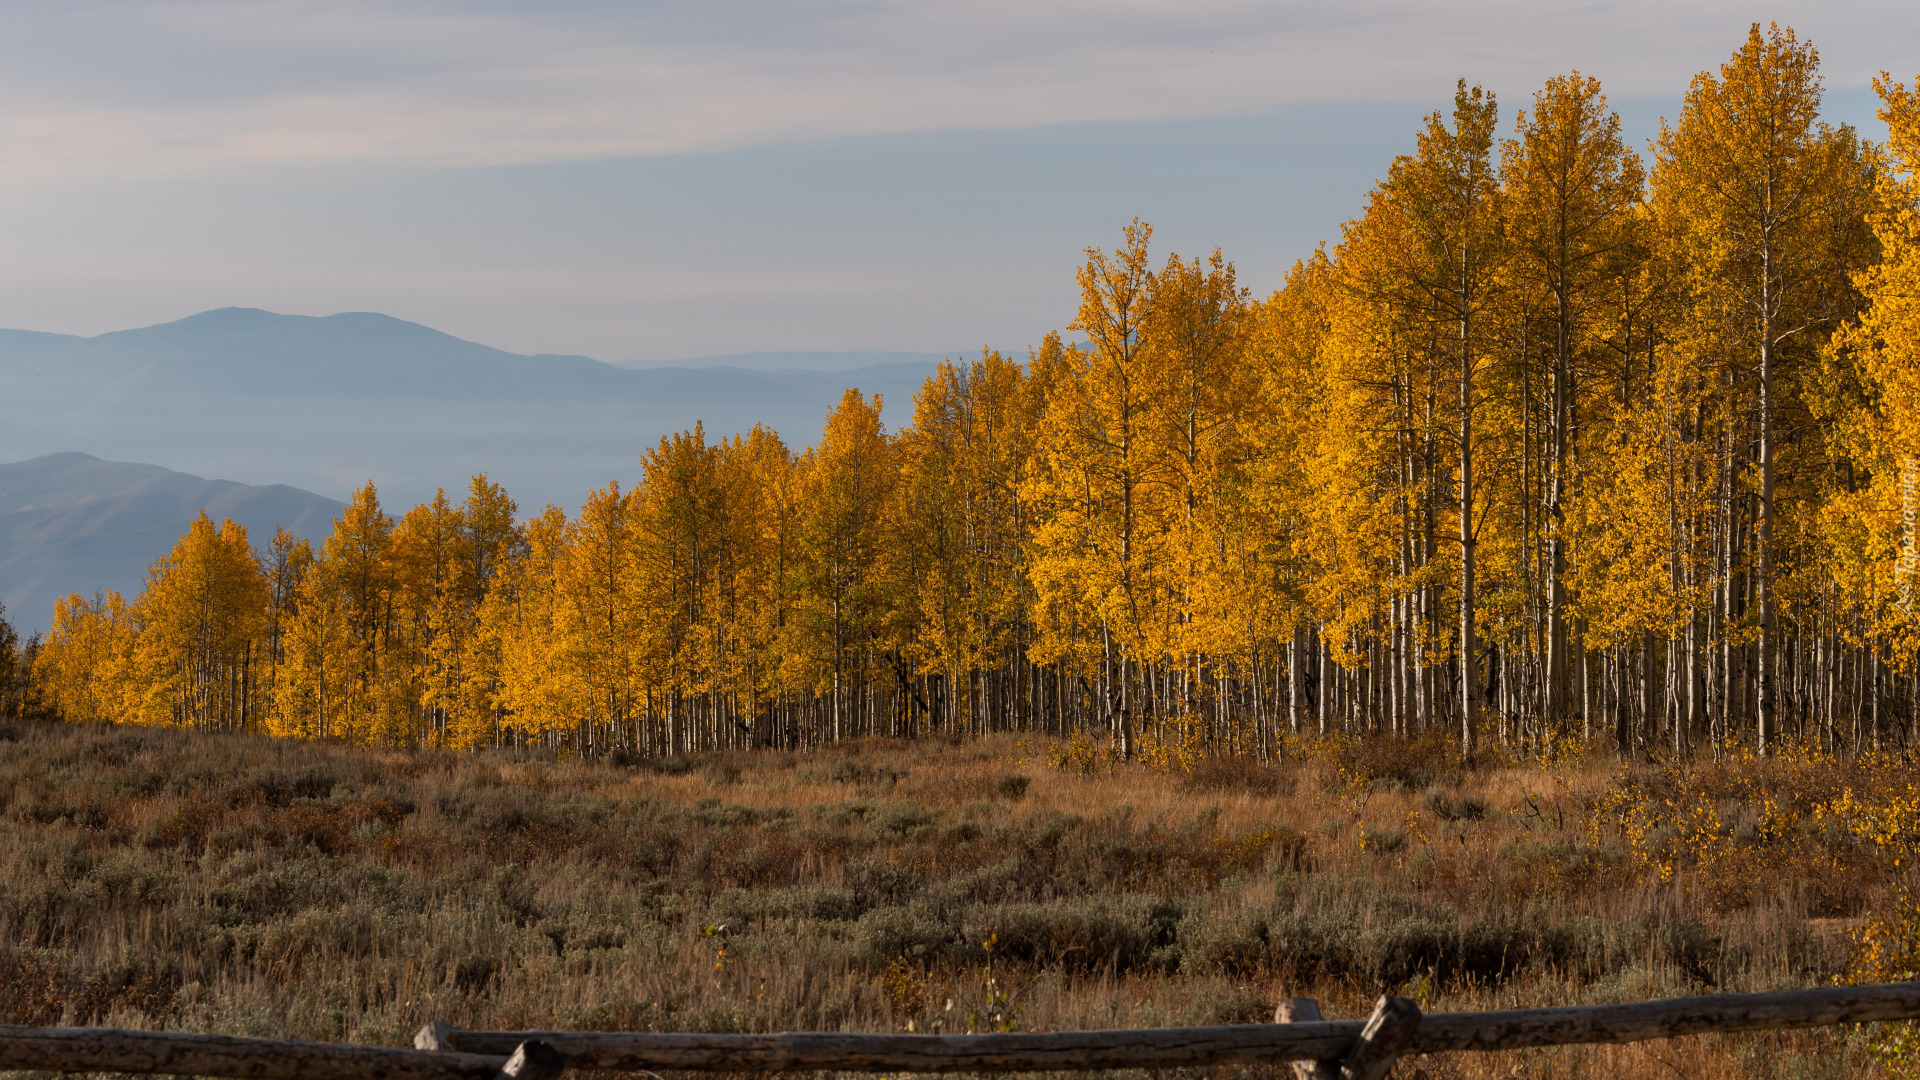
(329, 403)
(71, 522)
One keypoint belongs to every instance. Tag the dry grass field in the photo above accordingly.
(153, 878)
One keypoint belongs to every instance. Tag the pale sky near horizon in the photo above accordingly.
(659, 180)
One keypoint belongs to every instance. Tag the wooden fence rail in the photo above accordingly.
(1352, 1050)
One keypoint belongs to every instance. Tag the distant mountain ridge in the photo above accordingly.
(70, 522)
(798, 361)
(328, 403)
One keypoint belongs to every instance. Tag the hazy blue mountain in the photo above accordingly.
(800, 361)
(327, 404)
(74, 523)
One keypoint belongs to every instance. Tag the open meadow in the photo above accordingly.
(157, 878)
(1508, 601)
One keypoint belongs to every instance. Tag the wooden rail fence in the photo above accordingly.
(1320, 1049)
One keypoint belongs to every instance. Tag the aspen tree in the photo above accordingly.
(1377, 364)
(1061, 644)
(766, 529)
(308, 688)
(200, 617)
(85, 670)
(962, 534)
(1572, 188)
(430, 568)
(1875, 529)
(1444, 272)
(521, 623)
(600, 621)
(287, 562)
(1887, 336)
(1098, 484)
(1752, 179)
(1289, 334)
(342, 682)
(742, 582)
(936, 632)
(845, 484)
(1195, 332)
(681, 527)
(491, 545)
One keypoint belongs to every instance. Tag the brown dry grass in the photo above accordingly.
(162, 879)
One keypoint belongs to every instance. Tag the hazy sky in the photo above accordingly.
(657, 180)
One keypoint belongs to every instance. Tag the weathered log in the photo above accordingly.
(1387, 1033)
(113, 1050)
(1303, 1010)
(1514, 1029)
(1040, 1052)
(1197, 1046)
(479, 1055)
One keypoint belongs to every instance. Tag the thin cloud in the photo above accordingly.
(137, 89)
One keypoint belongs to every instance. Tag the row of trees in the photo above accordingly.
(1554, 440)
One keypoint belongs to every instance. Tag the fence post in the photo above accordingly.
(532, 1059)
(1387, 1032)
(535, 1060)
(1306, 1011)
